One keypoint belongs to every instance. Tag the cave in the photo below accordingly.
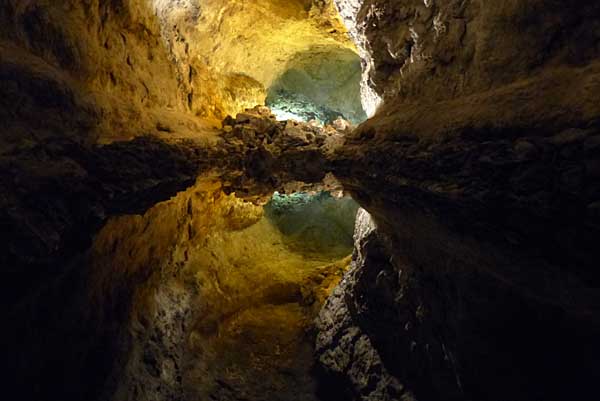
(321, 84)
(300, 200)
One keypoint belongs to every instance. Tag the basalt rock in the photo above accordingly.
(453, 316)
(475, 280)
(476, 170)
(89, 298)
(264, 154)
(344, 346)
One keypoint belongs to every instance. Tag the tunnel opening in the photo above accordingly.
(320, 84)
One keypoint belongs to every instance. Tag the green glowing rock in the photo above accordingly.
(314, 223)
(322, 83)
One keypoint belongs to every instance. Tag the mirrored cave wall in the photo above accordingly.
(474, 267)
(225, 295)
(79, 74)
(475, 274)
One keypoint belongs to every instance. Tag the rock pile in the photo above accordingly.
(258, 127)
(260, 149)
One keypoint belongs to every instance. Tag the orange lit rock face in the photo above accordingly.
(480, 172)
(108, 58)
(237, 49)
(134, 67)
(227, 301)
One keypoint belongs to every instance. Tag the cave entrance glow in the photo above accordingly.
(322, 84)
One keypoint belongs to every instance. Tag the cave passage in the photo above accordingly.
(322, 84)
(146, 255)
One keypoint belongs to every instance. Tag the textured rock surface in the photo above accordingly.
(479, 169)
(121, 69)
(103, 68)
(262, 154)
(223, 304)
(321, 83)
(349, 12)
(126, 310)
(443, 49)
(258, 39)
(344, 349)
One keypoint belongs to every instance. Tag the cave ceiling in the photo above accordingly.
(249, 45)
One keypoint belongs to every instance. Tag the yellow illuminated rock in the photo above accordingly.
(248, 45)
(135, 67)
(232, 296)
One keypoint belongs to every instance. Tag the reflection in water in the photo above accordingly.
(318, 223)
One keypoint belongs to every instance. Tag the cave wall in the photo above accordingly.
(104, 71)
(322, 83)
(102, 63)
(220, 282)
(436, 50)
(99, 324)
(233, 51)
(479, 171)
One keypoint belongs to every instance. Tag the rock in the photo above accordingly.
(341, 125)
(467, 157)
(322, 84)
(593, 212)
(569, 136)
(263, 111)
(344, 350)
(525, 150)
(479, 280)
(163, 127)
(592, 146)
(242, 118)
